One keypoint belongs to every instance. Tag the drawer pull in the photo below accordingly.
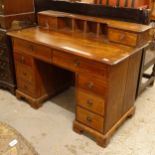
(22, 60)
(122, 37)
(31, 47)
(2, 6)
(89, 119)
(90, 85)
(90, 103)
(76, 62)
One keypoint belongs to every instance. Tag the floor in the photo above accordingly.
(49, 129)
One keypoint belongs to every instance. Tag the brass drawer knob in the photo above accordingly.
(22, 60)
(77, 62)
(90, 85)
(122, 36)
(89, 103)
(2, 6)
(31, 47)
(89, 119)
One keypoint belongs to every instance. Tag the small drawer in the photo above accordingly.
(38, 51)
(26, 87)
(93, 67)
(90, 102)
(66, 60)
(92, 83)
(23, 59)
(126, 38)
(92, 120)
(24, 72)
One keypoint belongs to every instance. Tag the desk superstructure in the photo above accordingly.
(105, 56)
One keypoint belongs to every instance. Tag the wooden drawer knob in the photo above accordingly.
(22, 60)
(2, 7)
(31, 47)
(89, 119)
(90, 85)
(89, 103)
(122, 37)
(76, 62)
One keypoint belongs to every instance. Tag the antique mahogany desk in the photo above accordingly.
(104, 55)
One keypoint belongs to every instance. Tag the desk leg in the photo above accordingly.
(101, 138)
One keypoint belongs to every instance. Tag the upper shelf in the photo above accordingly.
(133, 27)
(129, 34)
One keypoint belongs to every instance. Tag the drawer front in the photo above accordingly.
(26, 87)
(66, 60)
(94, 84)
(90, 102)
(4, 54)
(92, 120)
(23, 59)
(25, 73)
(94, 67)
(73, 63)
(122, 37)
(25, 79)
(38, 51)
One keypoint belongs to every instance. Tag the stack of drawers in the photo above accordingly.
(14, 15)
(91, 101)
(27, 77)
(91, 88)
(37, 81)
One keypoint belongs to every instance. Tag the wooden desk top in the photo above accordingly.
(105, 52)
(138, 28)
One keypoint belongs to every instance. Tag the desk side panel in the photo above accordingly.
(116, 88)
(132, 81)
